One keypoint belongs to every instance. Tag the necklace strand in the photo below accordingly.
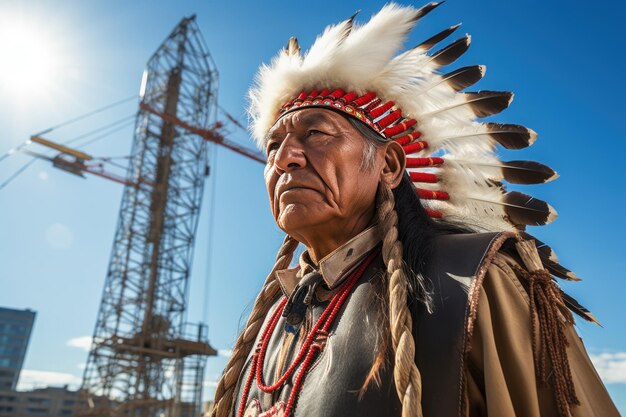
(308, 349)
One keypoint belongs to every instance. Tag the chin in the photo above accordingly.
(295, 218)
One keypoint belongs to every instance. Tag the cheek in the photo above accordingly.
(357, 187)
(270, 184)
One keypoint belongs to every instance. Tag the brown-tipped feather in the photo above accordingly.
(577, 308)
(522, 209)
(351, 21)
(551, 261)
(487, 103)
(527, 172)
(452, 52)
(433, 40)
(427, 8)
(482, 103)
(464, 77)
(511, 136)
(559, 270)
(293, 47)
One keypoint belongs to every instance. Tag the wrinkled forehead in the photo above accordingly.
(308, 117)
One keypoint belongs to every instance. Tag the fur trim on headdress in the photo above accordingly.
(452, 159)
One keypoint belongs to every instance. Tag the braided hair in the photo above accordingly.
(407, 230)
(225, 391)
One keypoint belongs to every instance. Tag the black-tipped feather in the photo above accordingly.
(433, 40)
(577, 308)
(452, 52)
(522, 209)
(464, 77)
(511, 136)
(527, 172)
(487, 103)
(551, 261)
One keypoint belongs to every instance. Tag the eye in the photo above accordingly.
(312, 132)
(272, 147)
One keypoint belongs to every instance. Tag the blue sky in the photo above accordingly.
(562, 59)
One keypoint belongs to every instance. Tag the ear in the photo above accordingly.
(395, 163)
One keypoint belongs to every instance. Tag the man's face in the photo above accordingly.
(316, 186)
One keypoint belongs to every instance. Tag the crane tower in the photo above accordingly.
(145, 360)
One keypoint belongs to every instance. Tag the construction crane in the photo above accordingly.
(145, 359)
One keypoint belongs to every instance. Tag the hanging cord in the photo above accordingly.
(209, 252)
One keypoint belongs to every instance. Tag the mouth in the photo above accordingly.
(289, 187)
(298, 188)
(294, 190)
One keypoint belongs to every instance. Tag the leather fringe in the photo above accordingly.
(549, 316)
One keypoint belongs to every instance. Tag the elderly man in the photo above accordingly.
(377, 166)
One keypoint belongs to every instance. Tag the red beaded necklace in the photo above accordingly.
(314, 343)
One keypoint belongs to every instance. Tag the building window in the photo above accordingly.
(36, 400)
(10, 350)
(36, 411)
(17, 329)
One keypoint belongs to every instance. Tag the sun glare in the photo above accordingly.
(27, 59)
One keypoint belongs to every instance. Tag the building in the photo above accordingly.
(15, 329)
(48, 402)
(43, 402)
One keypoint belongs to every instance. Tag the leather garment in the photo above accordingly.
(336, 375)
(332, 384)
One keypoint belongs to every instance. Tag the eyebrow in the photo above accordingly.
(314, 117)
(308, 118)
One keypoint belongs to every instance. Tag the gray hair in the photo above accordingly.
(373, 141)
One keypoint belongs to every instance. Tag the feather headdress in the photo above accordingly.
(407, 97)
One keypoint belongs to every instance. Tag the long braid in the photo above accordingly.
(405, 373)
(224, 393)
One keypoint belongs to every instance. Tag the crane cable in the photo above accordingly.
(123, 121)
(232, 119)
(91, 113)
(119, 122)
(67, 122)
(17, 173)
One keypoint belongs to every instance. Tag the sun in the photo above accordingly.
(28, 62)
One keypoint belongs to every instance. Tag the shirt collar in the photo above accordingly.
(334, 266)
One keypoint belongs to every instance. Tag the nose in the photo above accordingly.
(290, 155)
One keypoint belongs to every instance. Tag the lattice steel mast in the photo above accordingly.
(144, 361)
